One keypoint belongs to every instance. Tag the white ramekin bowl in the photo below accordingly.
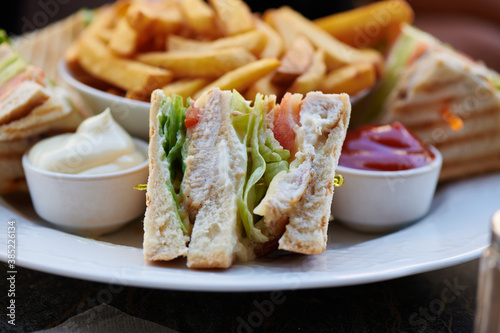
(88, 205)
(381, 201)
(132, 115)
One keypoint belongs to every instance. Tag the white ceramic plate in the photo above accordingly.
(455, 231)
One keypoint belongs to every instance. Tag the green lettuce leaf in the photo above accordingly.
(246, 122)
(4, 38)
(266, 158)
(397, 59)
(12, 63)
(273, 153)
(171, 120)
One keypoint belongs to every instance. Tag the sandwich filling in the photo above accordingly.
(171, 117)
(230, 178)
(265, 157)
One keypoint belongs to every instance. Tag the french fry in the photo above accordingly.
(376, 58)
(295, 62)
(211, 64)
(310, 80)
(350, 79)
(337, 54)
(264, 86)
(121, 7)
(368, 25)
(185, 87)
(126, 74)
(241, 78)
(274, 44)
(253, 41)
(161, 18)
(105, 35)
(281, 25)
(124, 39)
(103, 22)
(199, 16)
(233, 16)
(136, 46)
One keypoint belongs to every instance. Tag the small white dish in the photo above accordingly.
(88, 205)
(132, 115)
(381, 201)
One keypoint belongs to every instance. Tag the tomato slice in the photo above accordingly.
(418, 52)
(283, 131)
(31, 73)
(285, 119)
(192, 116)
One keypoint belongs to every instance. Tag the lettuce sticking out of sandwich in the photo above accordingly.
(235, 179)
(410, 44)
(171, 117)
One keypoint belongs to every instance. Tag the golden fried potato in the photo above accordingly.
(253, 41)
(368, 25)
(241, 78)
(155, 18)
(199, 16)
(266, 87)
(274, 44)
(350, 79)
(126, 74)
(337, 54)
(124, 39)
(295, 62)
(282, 25)
(311, 79)
(104, 20)
(233, 16)
(184, 87)
(376, 58)
(210, 64)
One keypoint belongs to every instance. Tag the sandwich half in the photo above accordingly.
(448, 100)
(232, 179)
(30, 108)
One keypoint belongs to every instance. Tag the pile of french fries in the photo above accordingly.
(185, 47)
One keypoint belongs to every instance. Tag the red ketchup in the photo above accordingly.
(384, 148)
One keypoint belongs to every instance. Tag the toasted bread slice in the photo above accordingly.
(215, 169)
(21, 101)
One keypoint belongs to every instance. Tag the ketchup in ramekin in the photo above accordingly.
(390, 147)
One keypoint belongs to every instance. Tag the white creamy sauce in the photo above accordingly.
(99, 145)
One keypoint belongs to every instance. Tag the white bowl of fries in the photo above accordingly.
(188, 47)
(132, 115)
